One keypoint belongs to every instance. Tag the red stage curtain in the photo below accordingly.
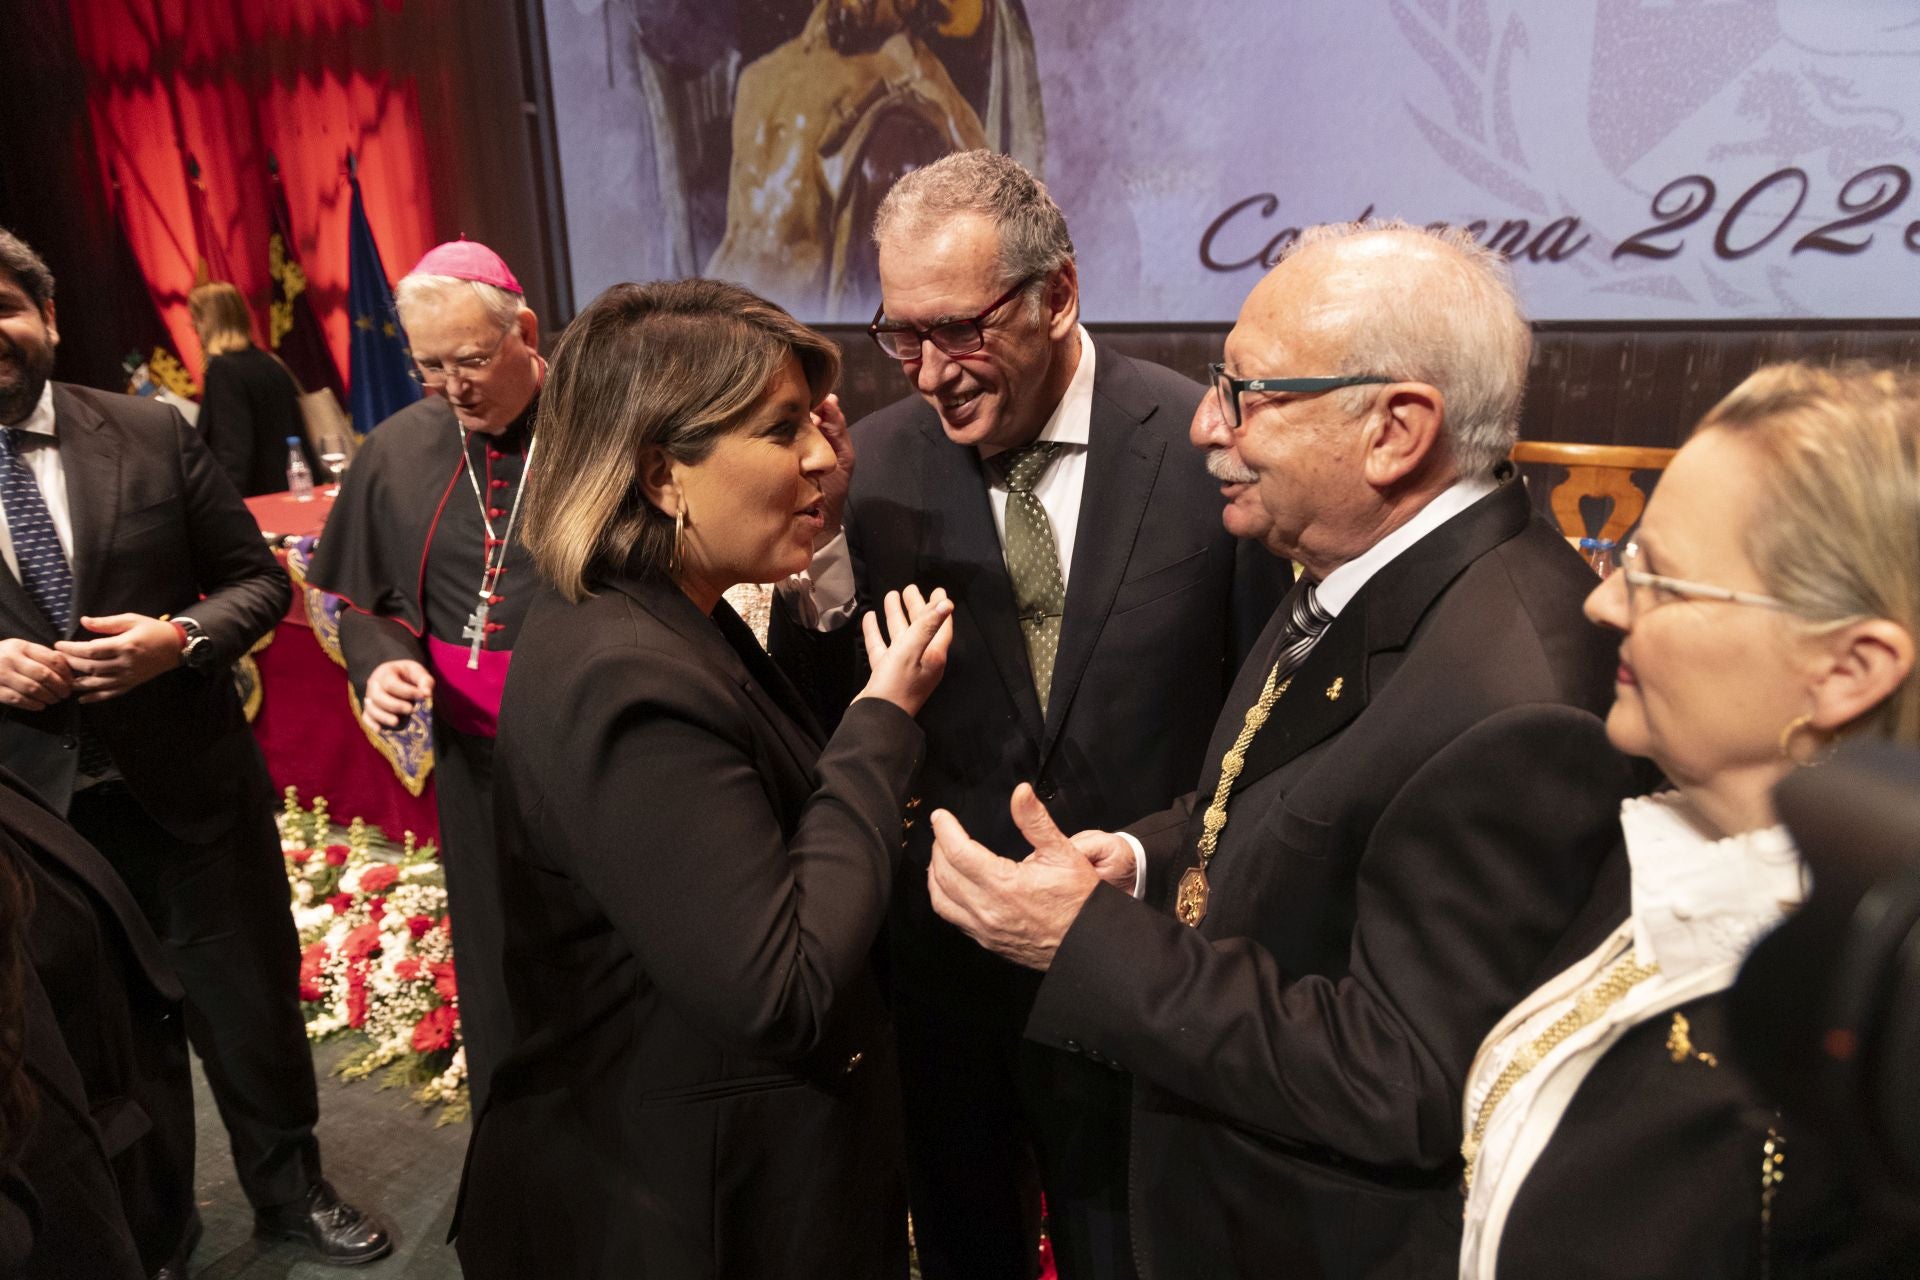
(229, 81)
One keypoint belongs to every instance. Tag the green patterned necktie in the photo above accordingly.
(1033, 560)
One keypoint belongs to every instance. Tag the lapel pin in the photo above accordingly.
(1333, 690)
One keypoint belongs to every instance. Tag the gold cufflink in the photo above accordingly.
(1333, 690)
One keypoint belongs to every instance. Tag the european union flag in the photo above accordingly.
(379, 384)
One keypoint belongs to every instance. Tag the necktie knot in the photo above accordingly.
(1308, 618)
(1023, 467)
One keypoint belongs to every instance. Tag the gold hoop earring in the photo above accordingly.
(1822, 748)
(677, 560)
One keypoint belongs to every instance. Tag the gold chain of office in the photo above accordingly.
(1190, 904)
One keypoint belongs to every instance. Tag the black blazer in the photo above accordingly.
(110, 1157)
(700, 1083)
(1403, 848)
(1162, 604)
(1654, 1169)
(156, 526)
(249, 407)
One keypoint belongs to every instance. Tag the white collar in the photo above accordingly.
(1072, 419)
(40, 421)
(1701, 902)
(1344, 583)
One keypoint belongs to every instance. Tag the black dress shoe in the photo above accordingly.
(341, 1234)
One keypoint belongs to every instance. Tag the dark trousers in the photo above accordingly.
(463, 792)
(221, 910)
(993, 1120)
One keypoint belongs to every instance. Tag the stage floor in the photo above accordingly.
(379, 1150)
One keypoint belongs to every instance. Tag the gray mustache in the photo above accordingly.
(1222, 467)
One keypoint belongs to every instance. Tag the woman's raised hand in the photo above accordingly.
(908, 663)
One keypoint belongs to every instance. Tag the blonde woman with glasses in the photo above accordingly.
(1767, 607)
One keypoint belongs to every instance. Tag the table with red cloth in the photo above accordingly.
(306, 725)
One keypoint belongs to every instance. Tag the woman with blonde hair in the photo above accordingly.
(700, 1081)
(1767, 607)
(249, 403)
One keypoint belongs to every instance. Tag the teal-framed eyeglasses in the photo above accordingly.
(1647, 591)
(1230, 388)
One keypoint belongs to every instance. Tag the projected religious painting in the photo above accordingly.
(1637, 159)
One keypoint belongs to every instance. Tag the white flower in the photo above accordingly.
(303, 894)
(350, 882)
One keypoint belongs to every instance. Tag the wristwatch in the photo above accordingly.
(198, 650)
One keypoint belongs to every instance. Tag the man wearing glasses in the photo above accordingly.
(1405, 801)
(1044, 482)
(423, 543)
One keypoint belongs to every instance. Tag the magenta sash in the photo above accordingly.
(468, 699)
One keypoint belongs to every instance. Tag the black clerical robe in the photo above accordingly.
(406, 546)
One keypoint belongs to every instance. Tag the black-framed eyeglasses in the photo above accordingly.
(954, 338)
(1229, 388)
(430, 373)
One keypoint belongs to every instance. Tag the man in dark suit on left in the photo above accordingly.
(133, 578)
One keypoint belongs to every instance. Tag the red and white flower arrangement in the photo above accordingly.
(376, 954)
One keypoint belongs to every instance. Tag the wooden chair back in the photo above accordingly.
(1594, 471)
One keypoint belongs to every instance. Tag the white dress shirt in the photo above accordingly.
(35, 446)
(823, 597)
(1699, 904)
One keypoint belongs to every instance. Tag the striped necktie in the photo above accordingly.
(44, 571)
(1305, 623)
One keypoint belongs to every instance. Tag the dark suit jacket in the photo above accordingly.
(1654, 1169)
(700, 1082)
(1161, 605)
(249, 406)
(110, 1157)
(1402, 851)
(156, 525)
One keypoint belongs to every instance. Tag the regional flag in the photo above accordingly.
(293, 331)
(379, 382)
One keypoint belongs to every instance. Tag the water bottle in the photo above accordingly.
(1598, 553)
(299, 474)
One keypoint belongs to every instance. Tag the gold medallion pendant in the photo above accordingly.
(1191, 903)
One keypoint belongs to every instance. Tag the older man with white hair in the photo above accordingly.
(1405, 800)
(423, 542)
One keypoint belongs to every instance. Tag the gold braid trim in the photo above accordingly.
(1593, 1002)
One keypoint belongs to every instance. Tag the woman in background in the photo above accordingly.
(701, 1081)
(249, 403)
(1767, 607)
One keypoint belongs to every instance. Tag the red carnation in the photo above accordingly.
(407, 970)
(443, 980)
(341, 903)
(377, 909)
(298, 857)
(313, 966)
(361, 941)
(337, 855)
(356, 1000)
(378, 878)
(419, 926)
(435, 1031)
